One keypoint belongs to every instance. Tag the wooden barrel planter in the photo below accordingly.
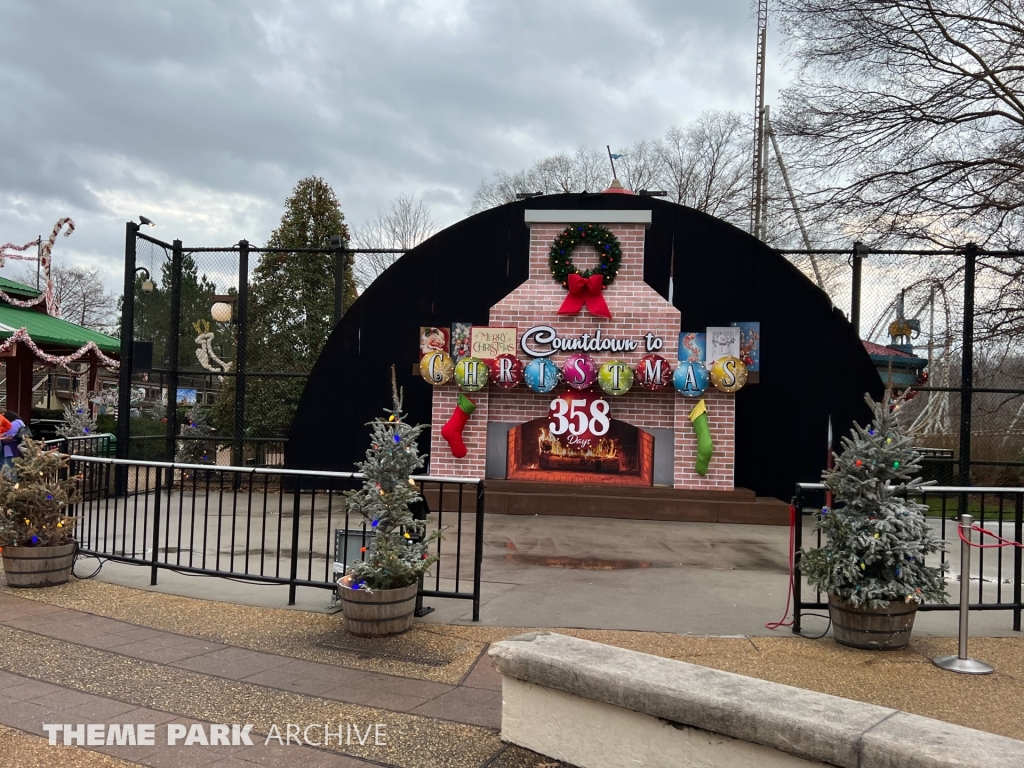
(873, 629)
(39, 566)
(377, 613)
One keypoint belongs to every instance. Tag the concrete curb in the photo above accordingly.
(813, 726)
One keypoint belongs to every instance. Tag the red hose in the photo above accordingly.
(792, 567)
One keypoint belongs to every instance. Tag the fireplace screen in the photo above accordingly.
(624, 456)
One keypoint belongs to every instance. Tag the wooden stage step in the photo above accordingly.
(520, 497)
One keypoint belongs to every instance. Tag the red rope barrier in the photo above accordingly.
(979, 529)
(792, 567)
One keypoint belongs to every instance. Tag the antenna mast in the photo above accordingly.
(756, 224)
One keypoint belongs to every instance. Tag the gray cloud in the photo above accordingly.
(202, 115)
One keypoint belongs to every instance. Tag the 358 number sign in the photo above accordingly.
(579, 419)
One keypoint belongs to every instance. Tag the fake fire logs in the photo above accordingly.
(604, 457)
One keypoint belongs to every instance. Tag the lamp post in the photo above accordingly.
(148, 286)
(221, 311)
(124, 378)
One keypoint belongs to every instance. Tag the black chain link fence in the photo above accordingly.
(928, 300)
(230, 359)
(223, 341)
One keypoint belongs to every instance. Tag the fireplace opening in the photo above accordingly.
(623, 456)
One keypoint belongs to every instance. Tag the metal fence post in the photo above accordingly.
(241, 351)
(419, 512)
(962, 662)
(478, 548)
(293, 572)
(124, 374)
(173, 353)
(967, 370)
(859, 251)
(156, 529)
(340, 259)
(798, 540)
(1018, 556)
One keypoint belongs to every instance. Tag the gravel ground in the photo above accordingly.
(412, 741)
(903, 679)
(23, 750)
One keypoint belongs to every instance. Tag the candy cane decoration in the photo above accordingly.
(7, 251)
(52, 307)
(6, 254)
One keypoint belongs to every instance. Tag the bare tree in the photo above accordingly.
(908, 115)
(81, 296)
(405, 226)
(584, 170)
(701, 165)
(705, 165)
(642, 165)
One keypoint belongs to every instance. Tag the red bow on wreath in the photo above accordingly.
(585, 291)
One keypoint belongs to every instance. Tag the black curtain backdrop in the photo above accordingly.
(813, 367)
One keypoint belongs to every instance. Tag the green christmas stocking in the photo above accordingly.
(699, 419)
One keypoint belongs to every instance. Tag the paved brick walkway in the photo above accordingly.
(31, 697)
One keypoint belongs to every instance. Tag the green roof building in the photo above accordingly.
(30, 338)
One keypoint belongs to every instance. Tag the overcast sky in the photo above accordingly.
(203, 115)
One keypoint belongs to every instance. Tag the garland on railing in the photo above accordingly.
(62, 360)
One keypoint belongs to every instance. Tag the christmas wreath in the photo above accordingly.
(601, 238)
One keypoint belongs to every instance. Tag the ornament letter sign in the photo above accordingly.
(578, 420)
(728, 374)
(437, 368)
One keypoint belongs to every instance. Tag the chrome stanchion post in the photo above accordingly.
(962, 662)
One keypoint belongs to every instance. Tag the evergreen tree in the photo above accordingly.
(153, 311)
(34, 506)
(195, 424)
(78, 420)
(397, 555)
(877, 538)
(291, 310)
(197, 291)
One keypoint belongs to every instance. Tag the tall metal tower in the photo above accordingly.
(757, 188)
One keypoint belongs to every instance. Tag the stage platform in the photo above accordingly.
(520, 497)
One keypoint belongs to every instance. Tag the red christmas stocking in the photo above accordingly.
(452, 431)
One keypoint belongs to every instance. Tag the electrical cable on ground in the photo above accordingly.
(816, 616)
(183, 572)
(92, 575)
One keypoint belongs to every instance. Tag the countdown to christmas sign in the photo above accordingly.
(579, 420)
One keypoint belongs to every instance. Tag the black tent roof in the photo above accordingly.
(813, 366)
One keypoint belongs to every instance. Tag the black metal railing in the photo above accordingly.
(261, 524)
(101, 444)
(999, 510)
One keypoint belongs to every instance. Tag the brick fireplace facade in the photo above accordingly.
(636, 310)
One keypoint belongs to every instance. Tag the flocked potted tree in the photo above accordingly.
(378, 592)
(872, 564)
(36, 531)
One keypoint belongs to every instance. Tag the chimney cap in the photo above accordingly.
(616, 188)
